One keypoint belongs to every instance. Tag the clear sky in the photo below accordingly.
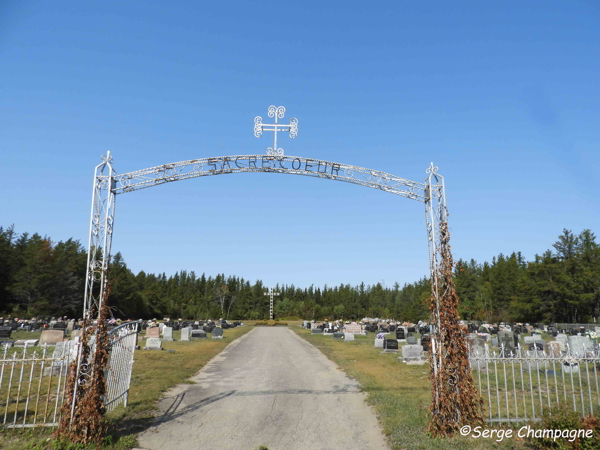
(503, 96)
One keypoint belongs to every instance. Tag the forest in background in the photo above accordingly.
(39, 277)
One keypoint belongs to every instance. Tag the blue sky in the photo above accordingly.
(503, 97)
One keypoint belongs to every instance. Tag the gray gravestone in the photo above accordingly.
(379, 343)
(52, 337)
(495, 342)
(562, 338)
(411, 340)
(579, 345)
(198, 334)
(413, 354)
(390, 345)
(185, 333)
(217, 333)
(317, 331)
(153, 344)
(507, 339)
(167, 334)
(348, 337)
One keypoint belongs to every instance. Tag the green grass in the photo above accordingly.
(399, 393)
(154, 372)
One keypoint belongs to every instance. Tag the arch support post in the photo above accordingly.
(102, 219)
(455, 399)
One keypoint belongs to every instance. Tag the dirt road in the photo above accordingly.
(272, 388)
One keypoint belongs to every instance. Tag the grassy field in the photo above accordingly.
(154, 372)
(399, 393)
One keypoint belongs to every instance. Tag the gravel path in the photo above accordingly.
(269, 387)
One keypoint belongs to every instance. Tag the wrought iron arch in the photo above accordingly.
(108, 184)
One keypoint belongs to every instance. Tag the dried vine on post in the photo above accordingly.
(88, 424)
(456, 401)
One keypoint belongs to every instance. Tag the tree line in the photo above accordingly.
(39, 277)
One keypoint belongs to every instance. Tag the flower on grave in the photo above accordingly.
(380, 336)
(592, 334)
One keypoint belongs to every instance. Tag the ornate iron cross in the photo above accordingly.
(277, 113)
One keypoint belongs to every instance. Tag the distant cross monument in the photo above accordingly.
(277, 113)
(271, 294)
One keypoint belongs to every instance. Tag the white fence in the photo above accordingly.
(32, 385)
(517, 386)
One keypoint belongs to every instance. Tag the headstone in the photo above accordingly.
(153, 344)
(476, 346)
(413, 354)
(52, 337)
(338, 335)
(353, 328)
(495, 342)
(570, 368)
(379, 343)
(561, 337)
(167, 334)
(161, 327)
(217, 333)
(400, 333)
(153, 332)
(348, 337)
(390, 345)
(579, 345)
(70, 324)
(198, 334)
(411, 340)
(555, 349)
(507, 339)
(185, 333)
(317, 331)
(538, 345)
(5, 332)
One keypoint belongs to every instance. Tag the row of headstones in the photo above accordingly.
(578, 345)
(412, 353)
(154, 342)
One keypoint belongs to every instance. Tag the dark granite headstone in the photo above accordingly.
(5, 332)
(338, 335)
(197, 334)
(390, 344)
(317, 331)
(400, 333)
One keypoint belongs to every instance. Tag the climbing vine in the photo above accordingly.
(88, 385)
(455, 400)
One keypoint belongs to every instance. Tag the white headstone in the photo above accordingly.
(185, 333)
(413, 354)
(161, 326)
(379, 343)
(153, 344)
(348, 337)
(167, 334)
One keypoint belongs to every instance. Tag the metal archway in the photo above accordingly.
(108, 184)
